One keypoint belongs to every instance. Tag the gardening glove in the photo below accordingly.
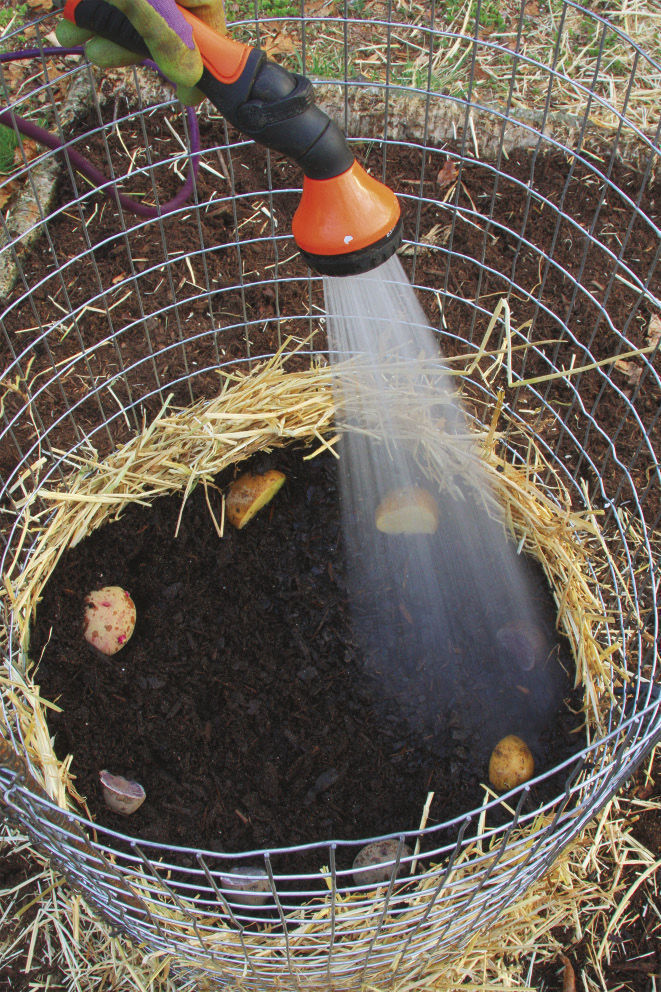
(166, 33)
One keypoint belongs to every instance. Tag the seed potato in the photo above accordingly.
(523, 643)
(409, 510)
(109, 619)
(247, 886)
(249, 493)
(511, 764)
(121, 795)
(374, 863)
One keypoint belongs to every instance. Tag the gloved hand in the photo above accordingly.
(166, 33)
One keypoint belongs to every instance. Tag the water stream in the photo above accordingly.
(448, 621)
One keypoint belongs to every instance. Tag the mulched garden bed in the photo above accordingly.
(244, 703)
(233, 291)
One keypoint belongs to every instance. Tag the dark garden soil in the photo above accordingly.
(223, 288)
(243, 703)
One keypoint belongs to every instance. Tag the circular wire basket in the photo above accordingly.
(483, 107)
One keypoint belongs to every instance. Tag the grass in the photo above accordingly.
(487, 51)
(10, 14)
(8, 146)
(11, 18)
(524, 54)
(241, 10)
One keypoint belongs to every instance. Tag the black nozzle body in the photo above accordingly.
(276, 108)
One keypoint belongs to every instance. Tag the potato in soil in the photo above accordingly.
(109, 619)
(511, 763)
(409, 510)
(249, 493)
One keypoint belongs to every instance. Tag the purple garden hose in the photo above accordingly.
(82, 164)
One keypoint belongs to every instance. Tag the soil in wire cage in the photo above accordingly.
(130, 724)
(243, 704)
(241, 286)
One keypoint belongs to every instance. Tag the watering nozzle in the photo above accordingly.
(347, 222)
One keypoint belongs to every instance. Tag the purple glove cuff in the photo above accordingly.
(175, 19)
(168, 10)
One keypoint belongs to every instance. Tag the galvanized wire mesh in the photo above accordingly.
(397, 77)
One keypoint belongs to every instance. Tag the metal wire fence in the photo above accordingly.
(445, 94)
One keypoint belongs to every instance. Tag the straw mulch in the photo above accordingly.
(270, 408)
(585, 898)
(267, 408)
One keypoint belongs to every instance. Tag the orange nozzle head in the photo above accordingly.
(348, 224)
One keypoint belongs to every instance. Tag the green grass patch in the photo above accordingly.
(245, 10)
(8, 146)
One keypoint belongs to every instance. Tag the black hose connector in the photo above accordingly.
(276, 108)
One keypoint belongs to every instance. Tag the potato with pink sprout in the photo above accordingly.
(109, 619)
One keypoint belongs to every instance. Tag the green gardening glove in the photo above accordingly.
(167, 34)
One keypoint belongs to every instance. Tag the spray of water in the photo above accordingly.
(447, 622)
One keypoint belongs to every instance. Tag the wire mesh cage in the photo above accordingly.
(523, 144)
